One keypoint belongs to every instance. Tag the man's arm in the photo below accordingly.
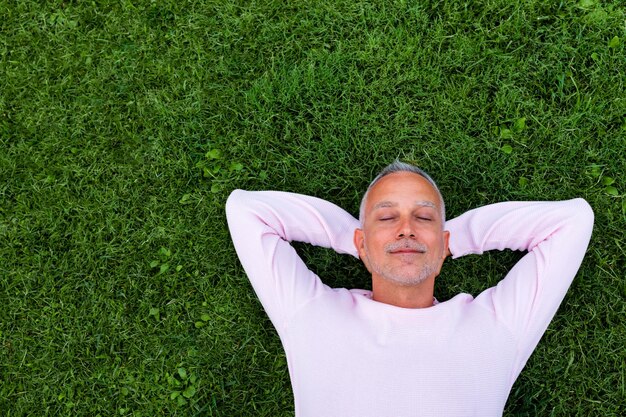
(555, 234)
(262, 223)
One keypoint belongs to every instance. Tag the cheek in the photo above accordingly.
(375, 244)
(439, 245)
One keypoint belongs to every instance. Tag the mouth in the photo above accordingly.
(405, 248)
(405, 251)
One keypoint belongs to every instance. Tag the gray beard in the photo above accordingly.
(426, 271)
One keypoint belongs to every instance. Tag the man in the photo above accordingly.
(395, 350)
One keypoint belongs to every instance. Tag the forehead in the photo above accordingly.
(399, 188)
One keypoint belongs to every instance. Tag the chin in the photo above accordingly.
(412, 278)
(404, 281)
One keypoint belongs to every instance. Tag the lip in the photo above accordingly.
(405, 251)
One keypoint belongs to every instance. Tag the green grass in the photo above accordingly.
(124, 126)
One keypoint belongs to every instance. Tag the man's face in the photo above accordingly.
(402, 239)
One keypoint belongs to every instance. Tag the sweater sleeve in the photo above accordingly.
(262, 223)
(555, 234)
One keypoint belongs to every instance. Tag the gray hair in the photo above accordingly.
(398, 166)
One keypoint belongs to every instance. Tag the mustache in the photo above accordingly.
(405, 244)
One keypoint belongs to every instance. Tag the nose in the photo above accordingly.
(405, 230)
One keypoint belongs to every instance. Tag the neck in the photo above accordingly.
(414, 296)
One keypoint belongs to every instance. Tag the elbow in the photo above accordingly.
(234, 196)
(233, 202)
(585, 209)
(584, 214)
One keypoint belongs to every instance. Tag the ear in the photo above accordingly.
(446, 244)
(359, 242)
(445, 251)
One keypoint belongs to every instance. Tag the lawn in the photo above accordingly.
(124, 125)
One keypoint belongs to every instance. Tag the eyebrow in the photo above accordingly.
(386, 204)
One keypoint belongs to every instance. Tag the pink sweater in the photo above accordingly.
(351, 356)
